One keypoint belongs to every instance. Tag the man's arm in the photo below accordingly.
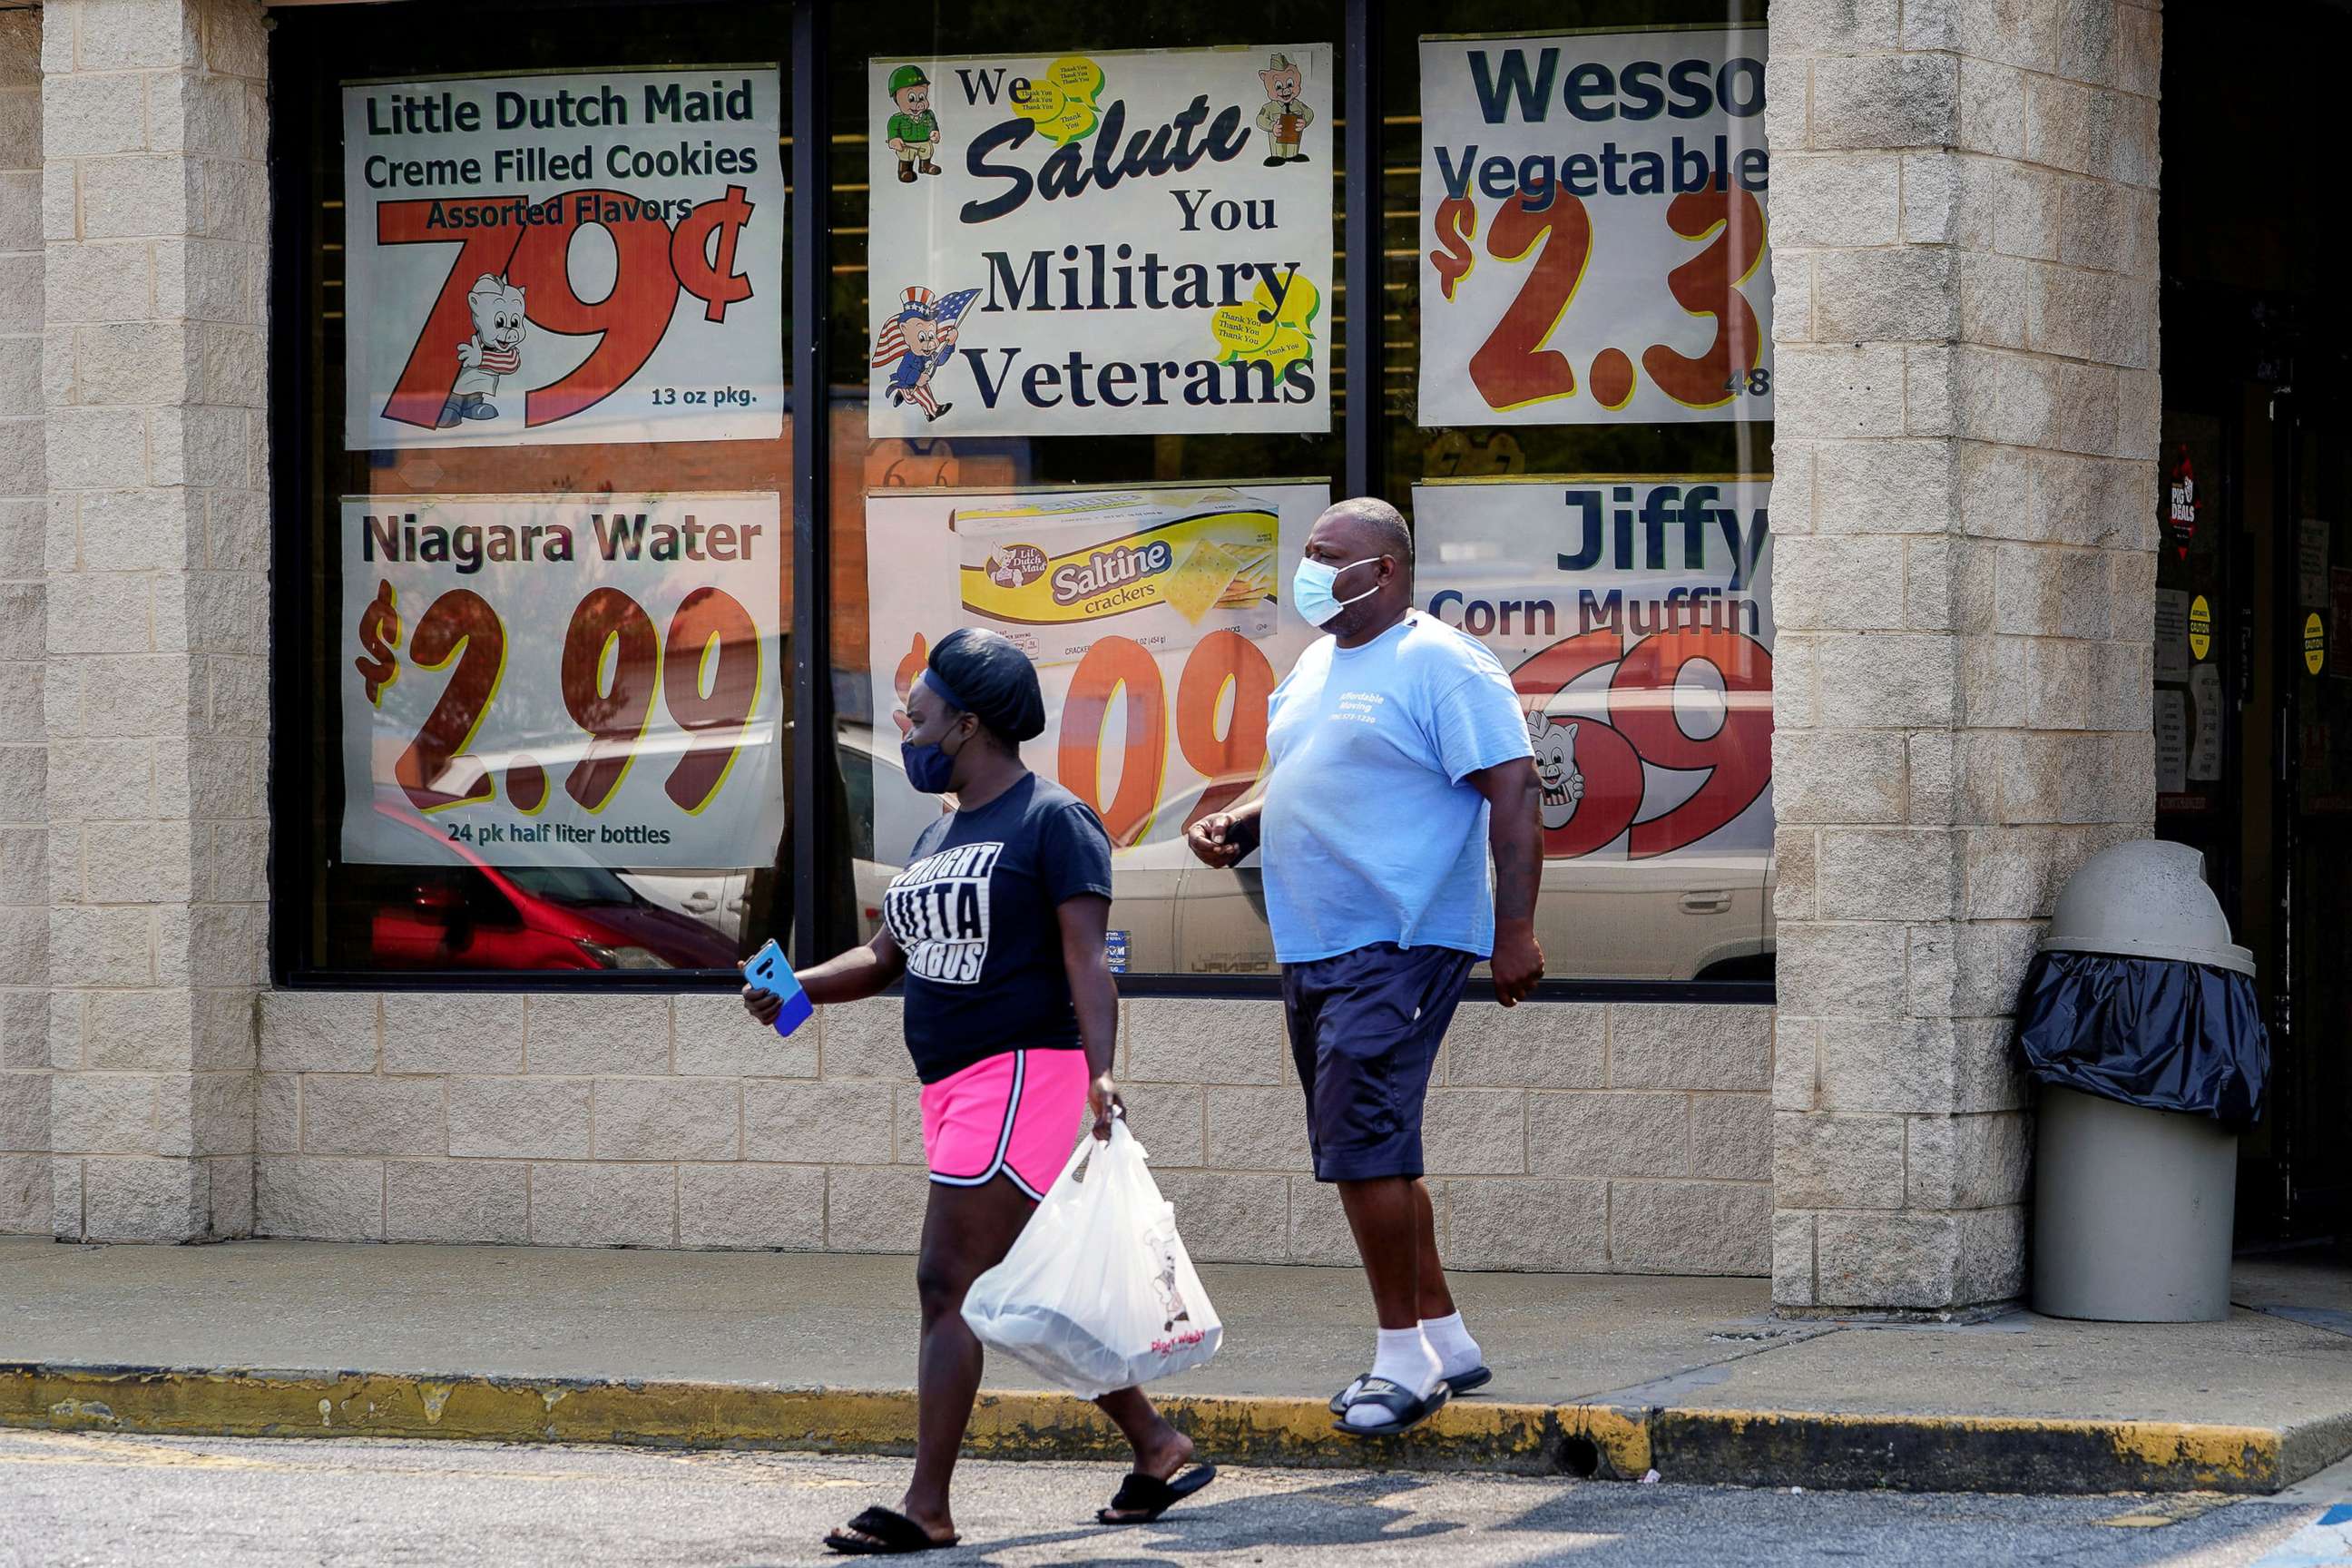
(1515, 837)
(1222, 838)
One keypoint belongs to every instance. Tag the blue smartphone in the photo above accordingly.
(770, 971)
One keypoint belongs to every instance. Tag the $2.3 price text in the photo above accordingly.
(1550, 231)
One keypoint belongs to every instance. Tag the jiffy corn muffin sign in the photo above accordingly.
(1101, 242)
(545, 259)
(1157, 617)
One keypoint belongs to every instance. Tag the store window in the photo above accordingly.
(535, 316)
(1087, 386)
(1577, 418)
(1528, 451)
(1085, 365)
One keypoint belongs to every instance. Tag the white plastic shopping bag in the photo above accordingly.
(1098, 1293)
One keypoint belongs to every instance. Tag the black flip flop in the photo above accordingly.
(890, 1534)
(1470, 1382)
(1147, 1496)
(1405, 1412)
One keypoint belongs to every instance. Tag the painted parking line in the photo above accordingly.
(2157, 1513)
(2325, 1543)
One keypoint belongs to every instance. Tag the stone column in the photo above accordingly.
(155, 212)
(1964, 212)
(24, 758)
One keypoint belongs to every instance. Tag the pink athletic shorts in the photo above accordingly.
(1018, 1113)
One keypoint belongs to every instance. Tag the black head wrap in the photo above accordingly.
(985, 675)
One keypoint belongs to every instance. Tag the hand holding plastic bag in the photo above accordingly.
(1098, 1293)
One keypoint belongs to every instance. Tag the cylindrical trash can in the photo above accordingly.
(2131, 1212)
(2140, 1021)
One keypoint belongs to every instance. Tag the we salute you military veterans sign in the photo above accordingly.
(1594, 250)
(1095, 242)
(539, 260)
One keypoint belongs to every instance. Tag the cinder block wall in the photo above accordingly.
(1573, 1138)
(24, 596)
(1964, 571)
(154, 213)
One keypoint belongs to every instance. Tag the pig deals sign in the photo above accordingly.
(1101, 242)
(549, 680)
(1595, 244)
(1635, 618)
(1156, 617)
(539, 259)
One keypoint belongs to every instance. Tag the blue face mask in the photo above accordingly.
(1310, 589)
(930, 768)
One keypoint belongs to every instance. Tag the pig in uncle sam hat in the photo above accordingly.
(917, 304)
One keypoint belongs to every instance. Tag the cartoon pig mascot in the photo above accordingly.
(495, 350)
(1556, 769)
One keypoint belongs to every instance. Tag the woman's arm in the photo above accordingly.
(851, 976)
(1084, 921)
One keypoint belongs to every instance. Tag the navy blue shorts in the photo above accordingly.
(1364, 1031)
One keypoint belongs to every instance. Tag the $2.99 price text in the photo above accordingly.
(703, 670)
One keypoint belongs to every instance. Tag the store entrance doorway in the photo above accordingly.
(2254, 635)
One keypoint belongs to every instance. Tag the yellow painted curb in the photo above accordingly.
(1980, 1453)
(1750, 1448)
(243, 1404)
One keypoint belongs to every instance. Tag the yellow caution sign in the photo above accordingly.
(2314, 643)
(2201, 627)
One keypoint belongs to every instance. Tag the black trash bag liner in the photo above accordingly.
(2158, 1033)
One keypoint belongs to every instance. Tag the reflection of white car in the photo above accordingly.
(1677, 918)
(717, 895)
(716, 898)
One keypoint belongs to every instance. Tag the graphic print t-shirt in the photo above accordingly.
(975, 913)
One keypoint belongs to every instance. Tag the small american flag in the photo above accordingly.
(502, 361)
(890, 346)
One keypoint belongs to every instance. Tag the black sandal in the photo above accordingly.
(1470, 1382)
(888, 1534)
(1405, 1412)
(1145, 1498)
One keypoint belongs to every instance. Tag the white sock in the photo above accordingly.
(1404, 1359)
(1457, 1352)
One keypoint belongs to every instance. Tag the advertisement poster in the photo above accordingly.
(2171, 634)
(2311, 563)
(1106, 242)
(1155, 618)
(545, 259)
(2205, 742)
(2171, 743)
(1596, 244)
(551, 680)
(1636, 616)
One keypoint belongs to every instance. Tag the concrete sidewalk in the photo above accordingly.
(1608, 1375)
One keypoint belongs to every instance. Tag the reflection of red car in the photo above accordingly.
(459, 911)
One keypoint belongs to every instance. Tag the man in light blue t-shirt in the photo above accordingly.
(1398, 762)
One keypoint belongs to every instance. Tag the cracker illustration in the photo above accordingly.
(1201, 579)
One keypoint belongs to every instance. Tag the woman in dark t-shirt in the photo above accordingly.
(997, 927)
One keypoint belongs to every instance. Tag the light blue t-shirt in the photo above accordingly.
(1371, 832)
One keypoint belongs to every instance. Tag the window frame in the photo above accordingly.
(294, 541)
